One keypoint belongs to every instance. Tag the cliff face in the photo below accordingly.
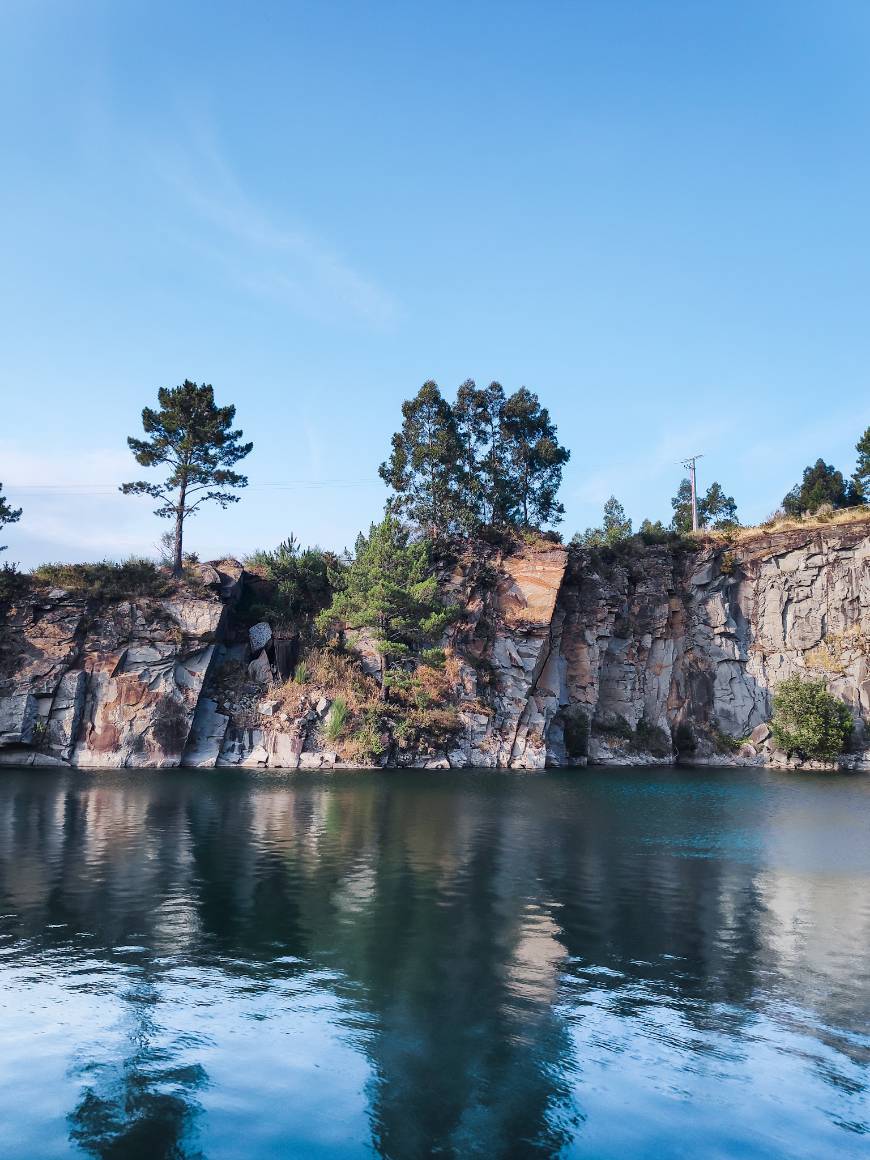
(103, 685)
(629, 657)
(691, 646)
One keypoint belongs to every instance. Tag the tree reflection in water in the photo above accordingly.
(488, 947)
(142, 1106)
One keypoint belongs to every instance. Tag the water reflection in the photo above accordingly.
(596, 964)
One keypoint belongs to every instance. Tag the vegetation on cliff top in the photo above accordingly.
(300, 583)
(487, 460)
(822, 486)
(193, 438)
(107, 579)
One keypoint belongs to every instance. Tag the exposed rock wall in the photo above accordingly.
(667, 640)
(104, 685)
(654, 651)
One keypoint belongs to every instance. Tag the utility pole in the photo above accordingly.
(690, 464)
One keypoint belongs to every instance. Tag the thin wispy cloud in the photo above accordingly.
(72, 503)
(265, 257)
(663, 459)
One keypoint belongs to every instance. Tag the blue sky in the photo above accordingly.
(652, 214)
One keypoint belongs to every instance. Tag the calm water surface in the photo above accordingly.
(596, 963)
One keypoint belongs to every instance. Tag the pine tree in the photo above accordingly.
(390, 589)
(715, 508)
(425, 468)
(615, 528)
(8, 515)
(487, 460)
(821, 484)
(861, 477)
(193, 438)
(534, 460)
(472, 413)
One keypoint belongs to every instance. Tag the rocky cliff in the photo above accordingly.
(634, 656)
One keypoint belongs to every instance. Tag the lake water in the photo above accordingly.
(595, 963)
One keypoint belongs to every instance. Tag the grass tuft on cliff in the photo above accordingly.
(107, 580)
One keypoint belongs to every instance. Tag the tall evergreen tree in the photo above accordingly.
(615, 527)
(861, 477)
(487, 460)
(718, 510)
(534, 460)
(682, 505)
(390, 588)
(472, 414)
(715, 508)
(822, 483)
(193, 438)
(425, 468)
(8, 515)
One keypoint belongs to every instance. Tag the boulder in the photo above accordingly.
(259, 635)
(208, 575)
(232, 579)
(760, 734)
(284, 750)
(260, 670)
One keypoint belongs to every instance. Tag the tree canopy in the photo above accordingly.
(861, 476)
(615, 527)
(194, 438)
(8, 515)
(426, 467)
(485, 461)
(715, 508)
(822, 484)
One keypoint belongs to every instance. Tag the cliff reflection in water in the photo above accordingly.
(496, 965)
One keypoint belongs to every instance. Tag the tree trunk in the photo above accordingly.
(179, 531)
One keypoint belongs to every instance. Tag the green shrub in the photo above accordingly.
(723, 742)
(367, 737)
(300, 674)
(108, 579)
(336, 719)
(13, 584)
(434, 657)
(655, 533)
(728, 564)
(299, 584)
(576, 731)
(808, 720)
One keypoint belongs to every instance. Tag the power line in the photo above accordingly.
(113, 489)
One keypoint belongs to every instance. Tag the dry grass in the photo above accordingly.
(838, 650)
(783, 523)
